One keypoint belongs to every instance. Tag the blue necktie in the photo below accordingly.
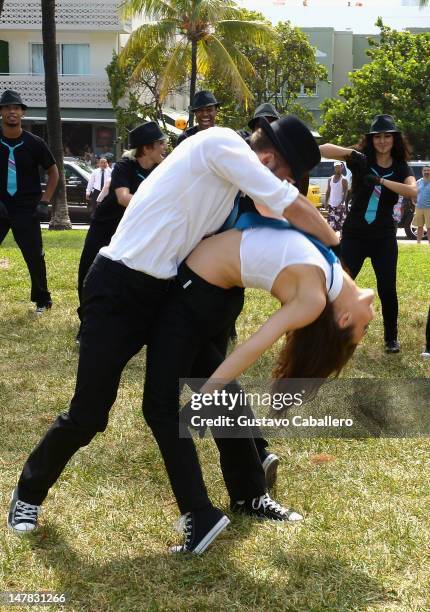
(372, 206)
(11, 187)
(229, 223)
(249, 220)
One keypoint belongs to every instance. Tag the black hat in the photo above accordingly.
(383, 123)
(202, 99)
(144, 134)
(264, 110)
(12, 97)
(295, 143)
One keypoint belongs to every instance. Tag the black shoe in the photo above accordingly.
(392, 346)
(22, 516)
(270, 467)
(41, 308)
(200, 528)
(265, 508)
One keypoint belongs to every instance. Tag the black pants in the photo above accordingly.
(185, 343)
(92, 201)
(428, 330)
(119, 307)
(26, 231)
(383, 255)
(98, 236)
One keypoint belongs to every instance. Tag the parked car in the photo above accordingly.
(408, 208)
(320, 174)
(77, 174)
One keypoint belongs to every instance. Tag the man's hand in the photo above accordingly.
(42, 211)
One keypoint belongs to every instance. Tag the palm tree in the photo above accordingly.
(60, 217)
(187, 29)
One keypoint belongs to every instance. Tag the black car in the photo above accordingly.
(77, 174)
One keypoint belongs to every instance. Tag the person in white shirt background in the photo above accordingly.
(96, 183)
(336, 194)
(187, 197)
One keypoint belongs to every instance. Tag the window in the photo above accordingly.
(308, 89)
(71, 59)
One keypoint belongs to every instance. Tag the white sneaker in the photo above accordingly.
(426, 354)
(270, 467)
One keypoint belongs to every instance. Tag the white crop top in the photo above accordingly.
(265, 252)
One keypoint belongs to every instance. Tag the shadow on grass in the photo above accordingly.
(296, 581)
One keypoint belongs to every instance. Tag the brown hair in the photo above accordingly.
(259, 141)
(315, 352)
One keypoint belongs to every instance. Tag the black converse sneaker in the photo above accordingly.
(200, 528)
(270, 467)
(22, 516)
(265, 508)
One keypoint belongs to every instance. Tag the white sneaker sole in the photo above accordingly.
(270, 467)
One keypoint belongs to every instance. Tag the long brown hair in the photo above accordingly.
(315, 352)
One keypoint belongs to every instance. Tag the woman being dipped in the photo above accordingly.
(380, 175)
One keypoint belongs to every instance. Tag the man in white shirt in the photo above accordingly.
(97, 181)
(185, 198)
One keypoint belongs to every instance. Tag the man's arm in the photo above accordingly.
(90, 185)
(327, 193)
(306, 217)
(51, 184)
(345, 189)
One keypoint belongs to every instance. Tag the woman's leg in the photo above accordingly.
(353, 253)
(384, 262)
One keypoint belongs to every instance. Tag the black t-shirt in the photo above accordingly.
(29, 156)
(126, 173)
(383, 226)
(188, 132)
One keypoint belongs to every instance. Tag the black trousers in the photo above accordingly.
(185, 342)
(383, 255)
(26, 231)
(119, 307)
(428, 332)
(92, 201)
(98, 236)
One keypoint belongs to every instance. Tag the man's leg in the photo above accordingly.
(28, 236)
(115, 326)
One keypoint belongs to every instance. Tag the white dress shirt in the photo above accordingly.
(96, 177)
(190, 195)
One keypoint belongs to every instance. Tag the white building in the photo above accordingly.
(87, 34)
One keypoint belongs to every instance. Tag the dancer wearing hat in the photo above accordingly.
(22, 204)
(185, 198)
(147, 149)
(205, 107)
(380, 174)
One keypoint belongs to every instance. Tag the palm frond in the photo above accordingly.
(151, 8)
(148, 34)
(218, 58)
(214, 10)
(246, 32)
(150, 61)
(177, 67)
(243, 64)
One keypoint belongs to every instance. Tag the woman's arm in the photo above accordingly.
(298, 313)
(408, 189)
(332, 151)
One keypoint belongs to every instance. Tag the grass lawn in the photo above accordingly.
(107, 524)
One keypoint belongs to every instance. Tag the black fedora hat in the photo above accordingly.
(294, 141)
(12, 97)
(144, 134)
(383, 123)
(202, 99)
(264, 110)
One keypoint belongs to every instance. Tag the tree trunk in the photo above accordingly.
(193, 79)
(60, 216)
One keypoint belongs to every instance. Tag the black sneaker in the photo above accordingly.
(265, 508)
(392, 346)
(270, 467)
(22, 516)
(200, 528)
(41, 308)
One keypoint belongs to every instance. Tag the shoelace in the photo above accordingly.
(268, 504)
(24, 512)
(184, 526)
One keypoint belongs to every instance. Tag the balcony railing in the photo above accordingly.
(75, 91)
(96, 15)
